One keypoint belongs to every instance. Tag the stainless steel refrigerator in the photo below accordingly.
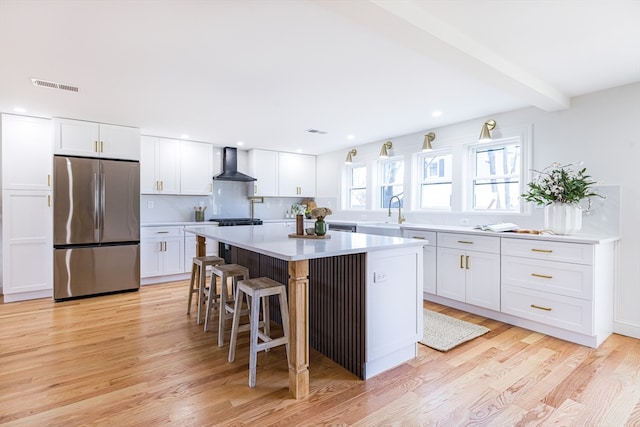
(96, 226)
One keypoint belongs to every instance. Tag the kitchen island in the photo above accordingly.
(356, 298)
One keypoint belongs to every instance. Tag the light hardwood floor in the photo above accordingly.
(138, 359)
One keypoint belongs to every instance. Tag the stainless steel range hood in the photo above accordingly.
(230, 167)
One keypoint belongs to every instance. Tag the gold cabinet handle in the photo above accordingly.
(540, 308)
(461, 256)
(467, 262)
(466, 242)
(543, 276)
(48, 180)
(95, 146)
(255, 189)
(48, 200)
(546, 251)
(101, 146)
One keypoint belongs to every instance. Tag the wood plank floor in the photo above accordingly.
(137, 359)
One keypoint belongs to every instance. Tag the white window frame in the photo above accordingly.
(349, 186)
(524, 160)
(421, 180)
(379, 183)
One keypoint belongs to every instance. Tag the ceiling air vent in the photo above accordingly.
(319, 132)
(53, 85)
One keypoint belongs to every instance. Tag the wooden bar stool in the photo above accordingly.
(256, 290)
(225, 272)
(199, 275)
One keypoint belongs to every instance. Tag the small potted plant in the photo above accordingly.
(561, 188)
(319, 214)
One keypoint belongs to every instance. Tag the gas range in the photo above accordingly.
(229, 222)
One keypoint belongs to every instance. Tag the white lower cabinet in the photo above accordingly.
(468, 269)
(27, 244)
(161, 251)
(428, 258)
(562, 285)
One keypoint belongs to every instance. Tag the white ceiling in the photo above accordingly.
(263, 72)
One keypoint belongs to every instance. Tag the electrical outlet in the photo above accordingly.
(150, 204)
(201, 203)
(464, 221)
(379, 277)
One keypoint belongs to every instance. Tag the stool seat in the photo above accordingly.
(256, 290)
(225, 272)
(198, 274)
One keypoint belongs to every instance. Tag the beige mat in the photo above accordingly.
(444, 332)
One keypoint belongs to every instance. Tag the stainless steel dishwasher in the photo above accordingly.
(342, 227)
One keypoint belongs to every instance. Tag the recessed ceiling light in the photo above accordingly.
(19, 110)
(299, 150)
(240, 143)
(350, 137)
(184, 136)
(436, 113)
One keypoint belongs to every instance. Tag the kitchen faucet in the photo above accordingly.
(400, 217)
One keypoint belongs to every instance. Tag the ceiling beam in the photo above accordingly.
(409, 23)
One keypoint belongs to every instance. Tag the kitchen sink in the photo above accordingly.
(380, 229)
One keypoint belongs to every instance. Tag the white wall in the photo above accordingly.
(602, 129)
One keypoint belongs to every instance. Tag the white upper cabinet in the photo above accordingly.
(263, 166)
(27, 150)
(196, 168)
(159, 165)
(283, 174)
(90, 139)
(296, 175)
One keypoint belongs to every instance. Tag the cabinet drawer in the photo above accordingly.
(556, 310)
(160, 232)
(428, 236)
(573, 280)
(554, 251)
(469, 242)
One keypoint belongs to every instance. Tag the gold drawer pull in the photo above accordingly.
(541, 276)
(540, 308)
(546, 251)
(466, 242)
(418, 237)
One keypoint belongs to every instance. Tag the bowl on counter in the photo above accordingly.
(311, 231)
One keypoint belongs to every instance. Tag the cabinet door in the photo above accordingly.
(27, 149)
(429, 269)
(27, 243)
(76, 138)
(451, 274)
(196, 168)
(119, 142)
(148, 179)
(296, 175)
(173, 256)
(264, 167)
(168, 166)
(150, 258)
(483, 279)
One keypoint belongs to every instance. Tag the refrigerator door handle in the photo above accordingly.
(102, 202)
(96, 202)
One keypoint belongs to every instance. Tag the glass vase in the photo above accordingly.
(563, 218)
(320, 227)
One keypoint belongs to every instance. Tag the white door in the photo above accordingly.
(196, 168)
(76, 138)
(168, 166)
(150, 258)
(264, 168)
(483, 279)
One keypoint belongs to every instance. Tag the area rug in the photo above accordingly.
(443, 332)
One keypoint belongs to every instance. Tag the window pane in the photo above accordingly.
(388, 191)
(498, 161)
(358, 198)
(359, 176)
(435, 189)
(499, 194)
(436, 196)
(393, 172)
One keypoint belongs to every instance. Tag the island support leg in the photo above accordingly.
(201, 246)
(299, 328)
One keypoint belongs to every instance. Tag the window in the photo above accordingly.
(390, 181)
(496, 175)
(357, 187)
(435, 180)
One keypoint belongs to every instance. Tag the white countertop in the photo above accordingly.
(273, 240)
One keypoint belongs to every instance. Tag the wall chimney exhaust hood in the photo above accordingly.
(230, 167)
